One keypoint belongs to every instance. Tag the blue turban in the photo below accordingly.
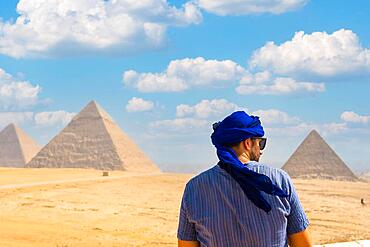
(235, 128)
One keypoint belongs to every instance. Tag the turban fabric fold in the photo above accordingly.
(235, 128)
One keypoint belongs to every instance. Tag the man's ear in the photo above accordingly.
(247, 144)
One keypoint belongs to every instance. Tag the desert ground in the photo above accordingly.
(79, 207)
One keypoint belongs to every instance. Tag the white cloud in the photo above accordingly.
(184, 73)
(273, 69)
(350, 116)
(200, 117)
(263, 84)
(17, 118)
(51, 27)
(303, 128)
(153, 82)
(276, 69)
(53, 118)
(318, 53)
(274, 116)
(242, 7)
(139, 105)
(180, 124)
(15, 93)
(196, 118)
(207, 109)
(333, 127)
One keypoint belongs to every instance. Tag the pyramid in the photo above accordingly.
(93, 140)
(16, 147)
(314, 158)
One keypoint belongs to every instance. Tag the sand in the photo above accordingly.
(78, 207)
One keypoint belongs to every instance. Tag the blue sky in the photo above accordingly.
(166, 70)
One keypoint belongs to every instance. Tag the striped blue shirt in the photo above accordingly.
(216, 212)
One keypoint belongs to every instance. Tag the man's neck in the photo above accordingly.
(244, 158)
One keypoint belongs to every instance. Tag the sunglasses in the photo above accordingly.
(262, 141)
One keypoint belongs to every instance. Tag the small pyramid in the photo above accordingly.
(314, 158)
(93, 140)
(16, 147)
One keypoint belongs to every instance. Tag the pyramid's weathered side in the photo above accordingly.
(16, 147)
(314, 158)
(93, 140)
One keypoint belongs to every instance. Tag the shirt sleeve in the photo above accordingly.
(186, 230)
(297, 219)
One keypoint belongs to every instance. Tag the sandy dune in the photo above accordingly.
(76, 207)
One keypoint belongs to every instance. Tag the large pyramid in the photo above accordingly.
(16, 147)
(93, 140)
(314, 158)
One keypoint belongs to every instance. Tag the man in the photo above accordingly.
(240, 202)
